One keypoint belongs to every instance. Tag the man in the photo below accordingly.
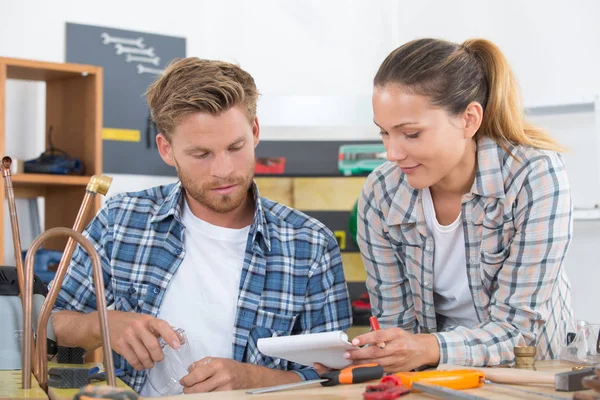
(206, 254)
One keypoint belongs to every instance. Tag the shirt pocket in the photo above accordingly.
(491, 264)
(268, 324)
(139, 298)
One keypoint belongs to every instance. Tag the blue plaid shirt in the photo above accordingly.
(292, 279)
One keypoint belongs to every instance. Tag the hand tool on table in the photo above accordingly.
(569, 381)
(440, 383)
(445, 384)
(590, 382)
(349, 375)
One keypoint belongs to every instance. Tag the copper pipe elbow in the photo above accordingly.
(28, 300)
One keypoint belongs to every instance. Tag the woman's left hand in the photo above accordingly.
(403, 351)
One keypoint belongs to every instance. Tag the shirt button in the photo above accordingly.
(155, 290)
(427, 308)
(428, 247)
(427, 284)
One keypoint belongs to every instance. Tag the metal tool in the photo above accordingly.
(120, 49)
(569, 381)
(590, 382)
(132, 58)
(354, 374)
(443, 392)
(286, 386)
(108, 39)
(458, 379)
(142, 69)
(521, 390)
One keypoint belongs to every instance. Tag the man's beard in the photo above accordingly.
(219, 203)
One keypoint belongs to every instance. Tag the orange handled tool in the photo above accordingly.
(457, 379)
(349, 375)
(354, 374)
(445, 384)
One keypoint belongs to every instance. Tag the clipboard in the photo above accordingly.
(326, 348)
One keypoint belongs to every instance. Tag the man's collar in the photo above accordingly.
(171, 206)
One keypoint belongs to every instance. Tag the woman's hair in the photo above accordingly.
(454, 75)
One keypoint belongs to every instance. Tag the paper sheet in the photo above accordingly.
(326, 348)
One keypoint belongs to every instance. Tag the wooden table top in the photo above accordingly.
(348, 392)
(343, 392)
(10, 387)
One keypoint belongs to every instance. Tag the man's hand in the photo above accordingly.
(135, 337)
(215, 374)
(403, 350)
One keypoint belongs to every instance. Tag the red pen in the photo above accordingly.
(375, 327)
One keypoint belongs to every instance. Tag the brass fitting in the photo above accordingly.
(99, 184)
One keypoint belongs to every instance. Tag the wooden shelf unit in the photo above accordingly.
(74, 110)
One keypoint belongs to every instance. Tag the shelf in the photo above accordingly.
(48, 179)
(586, 214)
(576, 105)
(44, 71)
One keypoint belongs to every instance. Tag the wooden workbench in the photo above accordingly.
(10, 387)
(342, 392)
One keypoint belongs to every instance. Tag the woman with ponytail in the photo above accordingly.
(464, 230)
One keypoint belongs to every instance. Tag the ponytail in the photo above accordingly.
(504, 119)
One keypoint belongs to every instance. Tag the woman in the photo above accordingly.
(464, 230)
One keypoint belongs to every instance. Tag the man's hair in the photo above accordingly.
(192, 85)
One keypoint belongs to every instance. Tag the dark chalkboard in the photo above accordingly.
(126, 78)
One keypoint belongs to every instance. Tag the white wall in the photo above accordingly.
(325, 48)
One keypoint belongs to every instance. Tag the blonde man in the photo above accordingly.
(206, 254)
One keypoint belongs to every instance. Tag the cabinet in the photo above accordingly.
(74, 110)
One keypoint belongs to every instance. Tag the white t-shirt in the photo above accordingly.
(202, 295)
(451, 293)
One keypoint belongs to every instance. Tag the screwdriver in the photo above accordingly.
(349, 375)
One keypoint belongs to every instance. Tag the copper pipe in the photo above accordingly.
(100, 305)
(97, 184)
(14, 221)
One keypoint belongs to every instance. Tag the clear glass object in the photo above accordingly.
(579, 342)
(164, 377)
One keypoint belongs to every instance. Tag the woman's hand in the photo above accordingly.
(403, 351)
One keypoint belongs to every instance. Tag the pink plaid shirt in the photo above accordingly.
(517, 222)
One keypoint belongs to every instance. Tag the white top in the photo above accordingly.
(202, 295)
(451, 292)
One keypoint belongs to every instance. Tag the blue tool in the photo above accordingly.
(94, 374)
